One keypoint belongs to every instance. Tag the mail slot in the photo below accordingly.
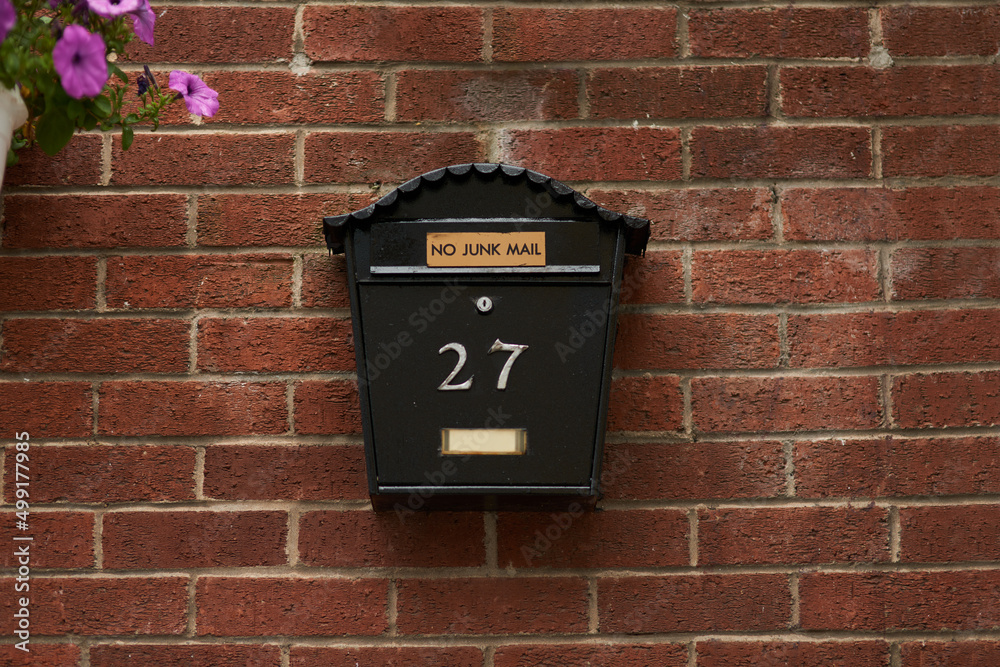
(484, 301)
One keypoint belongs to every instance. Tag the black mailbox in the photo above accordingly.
(483, 299)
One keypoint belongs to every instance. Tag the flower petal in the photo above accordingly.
(80, 59)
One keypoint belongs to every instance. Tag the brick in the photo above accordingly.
(944, 653)
(323, 407)
(246, 220)
(709, 214)
(192, 408)
(788, 32)
(780, 152)
(784, 276)
(945, 273)
(717, 653)
(704, 470)
(257, 472)
(110, 474)
(102, 606)
(656, 277)
(77, 164)
(891, 339)
(693, 603)
(486, 95)
(165, 540)
(596, 153)
(205, 281)
(205, 159)
(574, 538)
(46, 409)
(697, 341)
(94, 221)
(678, 92)
(258, 34)
(41, 655)
(324, 282)
(738, 404)
(591, 655)
(647, 403)
(800, 535)
(391, 539)
(402, 656)
(190, 655)
(48, 283)
(947, 399)
(941, 31)
(882, 214)
(95, 346)
(619, 33)
(492, 606)
(267, 606)
(374, 157)
(58, 539)
(343, 33)
(265, 344)
(955, 150)
(887, 601)
(894, 466)
(949, 533)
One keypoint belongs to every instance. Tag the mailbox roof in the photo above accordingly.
(517, 188)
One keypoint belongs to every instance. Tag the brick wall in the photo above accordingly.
(803, 460)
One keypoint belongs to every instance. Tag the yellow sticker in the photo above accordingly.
(486, 249)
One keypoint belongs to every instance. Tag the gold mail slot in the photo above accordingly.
(486, 249)
(483, 440)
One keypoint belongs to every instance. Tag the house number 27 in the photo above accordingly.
(515, 352)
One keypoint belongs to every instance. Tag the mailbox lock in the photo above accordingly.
(484, 304)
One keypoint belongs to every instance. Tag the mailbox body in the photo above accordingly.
(483, 300)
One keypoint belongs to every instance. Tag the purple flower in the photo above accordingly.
(81, 62)
(143, 20)
(112, 8)
(8, 17)
(199, 98)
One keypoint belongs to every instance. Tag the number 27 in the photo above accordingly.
(498, 346)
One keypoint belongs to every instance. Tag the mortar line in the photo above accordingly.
(487, 35)
(693, 536)
(788, 449)
(106, 153)
(490, 542)
(593, 611)
(895, 535)
(876, 139)
(895, 654)
(191, 234)
(392, 608)
(784, 350)
(687, 273)
(292, 539)
(884, 272)
(389, 88)
(681, 34)
(794, 621)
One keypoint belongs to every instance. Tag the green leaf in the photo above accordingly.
(118, 72)
(54, 130)
(103, 106)
(127, 136)
(75, 110)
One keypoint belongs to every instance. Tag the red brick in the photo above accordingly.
(783, 276)
(205, 159)
(192, 408)
(717, 653)
(693, 603)
(94, 221)
(957, 533)
(219, 35)
(793, 535)
(656, 277)
(391, 539)
(48, 283)
(344, 33)
(941, 31)
(102, 606)
(373, 157)
(403, 656)
(947, 399)
(324, 282)
(148, 540)
(109, 474)
(945, 653)
(492, 606)
(95, 346)
(77, 164)
(887, 601)
(738, 404)
(881, 214)
(945, 273)
(323, 407)
(678, 92)
(245, 220)
(189, 655)
(897, 467)
(787, 32)
(206, 281)
(697, 341)
(46, 409)
(780, 152)
(265, 344)
(41, 655)
(703, 470)
(58, 539)
(596, 153)
(955, 150)
(696, 215)
(532, 35)
(267, 606)
(251, 472)
(486, 95)
(592, 655)
(574, 538)
(647, 403)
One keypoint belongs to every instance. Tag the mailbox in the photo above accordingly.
(484, 301)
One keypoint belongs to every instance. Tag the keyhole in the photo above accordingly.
(484, 304)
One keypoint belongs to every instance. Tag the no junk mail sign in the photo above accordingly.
(483, 299)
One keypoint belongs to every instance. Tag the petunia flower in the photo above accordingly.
(8, 18)
(199, 98)
(143, 21)
(80, 61)
(112, 8)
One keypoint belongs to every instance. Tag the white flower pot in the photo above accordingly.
(13, 115)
